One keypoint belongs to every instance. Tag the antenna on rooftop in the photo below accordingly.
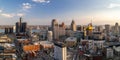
(91, 20)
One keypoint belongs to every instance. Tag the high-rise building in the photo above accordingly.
(116, 29)
(107, 29)
(89, 30)
(60, 52)
(62, 29)
(98, 28)
(11, 30)
(49, 35)
(55, 29)
(81, 28)
(21, 26)
(84, 32)
(8, 30)
(17, 27)
(73, 26)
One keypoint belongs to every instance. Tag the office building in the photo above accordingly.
(60, 52)
(62, 29)
(8, 30)
(55, 29)
(98, 35)
(50, 36)
(73, 26)
(99, 28)
(107, 29)
(21, 26)
(116, 29)
(71, 41)
(109, 53)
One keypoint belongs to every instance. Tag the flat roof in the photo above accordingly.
(59, 44)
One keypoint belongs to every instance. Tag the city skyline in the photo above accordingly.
(41, 12)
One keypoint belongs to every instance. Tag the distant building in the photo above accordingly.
(99, 44)
(8, 30)
(87, 44)
(62, 29)
(46, 44)
(17, 27)
(98, 35)
(80, 28)
(71, 41)
(73, 26)
(50, 36)
(89, 30)
(58, 30)
(116, 29)
(99, 28)
(107, 29)
(55, 29)
(84, 32)
(21, 26)
(60, 52)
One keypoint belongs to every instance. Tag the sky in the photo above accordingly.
(41, 12)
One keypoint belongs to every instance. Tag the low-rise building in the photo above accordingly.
(71, 41)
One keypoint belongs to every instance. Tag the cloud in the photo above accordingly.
(26, 6)
(41, 1)
(20, 14)
(7, 15)
(1, 10)
(113, 5)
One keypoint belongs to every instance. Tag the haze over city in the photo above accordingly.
(41, 12)
(59, 29)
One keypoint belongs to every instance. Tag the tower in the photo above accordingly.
(60, 51)
(62, 29)
(107, 29)
(89, 31)
(21, 26)
(116, 29)
(17, 27)
(55, 29)
(49, 35)
(20, 23)
(73, 25)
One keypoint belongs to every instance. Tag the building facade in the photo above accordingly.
(55, 29)
(73, 26)
(60, 51)
(21, 27)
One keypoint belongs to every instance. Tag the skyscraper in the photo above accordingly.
(107, 29)
(17, 27)
(60, 51)
(62, 29)
(21, 26)
(73, 26)
(49, 36)
(55, 29)
(116, 29)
